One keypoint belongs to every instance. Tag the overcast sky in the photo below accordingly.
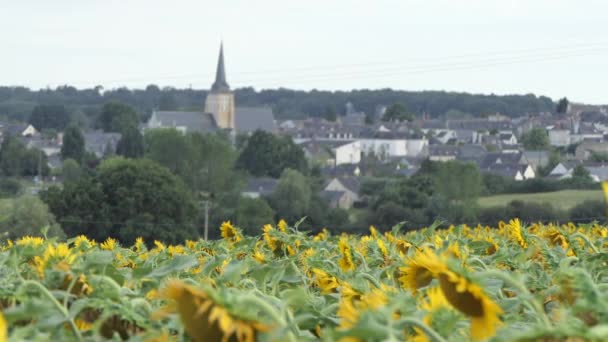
(547, 47)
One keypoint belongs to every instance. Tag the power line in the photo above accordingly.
(518, 53)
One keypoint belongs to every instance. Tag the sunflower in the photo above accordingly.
(275, 245)
(30, 241)
(472, 301)
(108, 245)
(435, 301)
(346, 261)
(324, 281)
(322, 236)
(60, 254)
(229, 232)
(206, 320)
(419, 270)
(139, 245)
(282, 225)
(83, 241)
(514, 230)
(3, 329)
(493, 246)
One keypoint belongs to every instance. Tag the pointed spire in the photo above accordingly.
(220, 83)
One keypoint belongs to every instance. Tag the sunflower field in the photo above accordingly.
(512, 282)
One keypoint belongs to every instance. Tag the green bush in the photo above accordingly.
(9, 187)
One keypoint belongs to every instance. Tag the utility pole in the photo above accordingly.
(206, 231)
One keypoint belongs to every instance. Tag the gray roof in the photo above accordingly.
(14, 129)
(220, 84)
(536, 155)
(351, 183)
(600, 171)
(443, 150)
(249, 119)
(506, 170)
(499, 159)
(98, 142)
(479, 124)
(193, 121)
(471, 151)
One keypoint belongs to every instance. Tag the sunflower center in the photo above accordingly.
(464, 301)
(423, 277)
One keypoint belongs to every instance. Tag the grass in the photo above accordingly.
(564, 199)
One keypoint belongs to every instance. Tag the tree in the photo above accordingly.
(459, 181)
(269, 155)
(28, 215)
(252, 214)
(17, 160)
(397, 112)
(127, 198)
(73, 144)
(167, 101)
(117, 116)
(291, 198)
(49, 117)
(71, 171)
(562, 105)
(581, 173)
(330, 113)
(131, 144)
(204, 162)
(535, 140)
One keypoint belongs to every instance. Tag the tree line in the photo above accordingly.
(85, 105)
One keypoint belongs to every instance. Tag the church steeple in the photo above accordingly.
(220, 84)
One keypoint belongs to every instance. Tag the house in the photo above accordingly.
(586, 149)
(444, 136)
(259, 187)
(344, 170)
(471, 152)
(48, 146)
(559, 137)
(536, 158)
(508, 138)
(443, 152)
(349, 186)
(598, 173)
(101, 143)
(337, 199)
(18, 130)
(183, 121)
(512, 165)
(332, 153)
(563, 169)
(250, 119)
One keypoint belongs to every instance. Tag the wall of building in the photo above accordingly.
(221, 105)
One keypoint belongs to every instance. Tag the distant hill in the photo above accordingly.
(17, 103)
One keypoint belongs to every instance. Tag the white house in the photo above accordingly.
(348, 153)
(559, 137)
(393, 147)
(508, 138)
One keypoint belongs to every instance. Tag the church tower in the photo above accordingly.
(220, 99)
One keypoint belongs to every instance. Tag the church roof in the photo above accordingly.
(249, 119)
(192, 121)
(220, 84)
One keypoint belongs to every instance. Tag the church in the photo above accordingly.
(220, 112)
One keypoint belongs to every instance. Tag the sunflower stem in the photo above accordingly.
(270, 311)
(532, 303)
(582, 236)
(370, 279)
(430, 333)
(53, 300)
